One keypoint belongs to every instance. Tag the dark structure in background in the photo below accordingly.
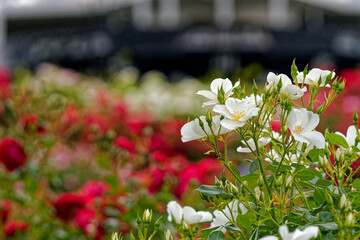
(184, 35)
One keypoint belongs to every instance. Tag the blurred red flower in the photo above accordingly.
(13, 227)
(12, 153)
(124, 143)
(5, 207)
(31, 122)
(67, 204)
(93, 189)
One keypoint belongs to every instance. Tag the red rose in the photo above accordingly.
(67, 204)
(124, 143)
(83, 218)
(5, 207)
(94, 189)
(13, 227)
(12, 153)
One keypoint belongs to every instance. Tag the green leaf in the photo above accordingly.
(132, 236)
(329, 226)
(326, 216)
(356, 184)
(308, 174)
(314, 154)
(336, 139)
(317, 210)
(329, 236)
(310, 217)
(318, 196)
(250, 177)
(209, 190)
(236, 171)
(233, 228)
(217, 235)
(323, 183)
(204, 233)
(243, 221)
(253, 166)
(273, 168)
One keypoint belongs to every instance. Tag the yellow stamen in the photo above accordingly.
(238, 115)
(298, 129)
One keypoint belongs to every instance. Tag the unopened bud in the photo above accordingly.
(221, 95)
(261, 181)
(217, 181)
(147, 216)
(328, 199)
(320, 109)
(322, 161)
(258, 193)
(233, 188)
(243, 92)
(255, 88)
(115, 236)
(288, 182)
(342, 201)
(341, 86)
(335, 85)
(319, 81)
(350, 220)
(209, 118)
(168, 235)
(355, 118)
(279, 181)
(138, 221)
(279, 85)
(185, 226)
(201, 123)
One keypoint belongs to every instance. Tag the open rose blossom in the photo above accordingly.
(13, 227)
(12, 153)
(67, 204)
(5, 207)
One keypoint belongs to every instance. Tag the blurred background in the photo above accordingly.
(180, 36)
(93, 94)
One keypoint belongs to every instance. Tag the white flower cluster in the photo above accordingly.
(235, 113)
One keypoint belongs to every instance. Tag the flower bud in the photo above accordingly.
(342, 201)
(255, 88)
(322, 161)
(209, 118)
(147, 216)
(261, 181)
(328, 199)
(288, 182)
(201, 123)
(320, 109)
(138, 221)
(350, 220)
(356, 118)
(185, 226)
(168, 235)
(279, 181)
(341, 86)
(279, 85)
(335, 85)
(243, 92)
(115, 236)
(233, 188)
(221, 95)
(258, 193)
(319, 81)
